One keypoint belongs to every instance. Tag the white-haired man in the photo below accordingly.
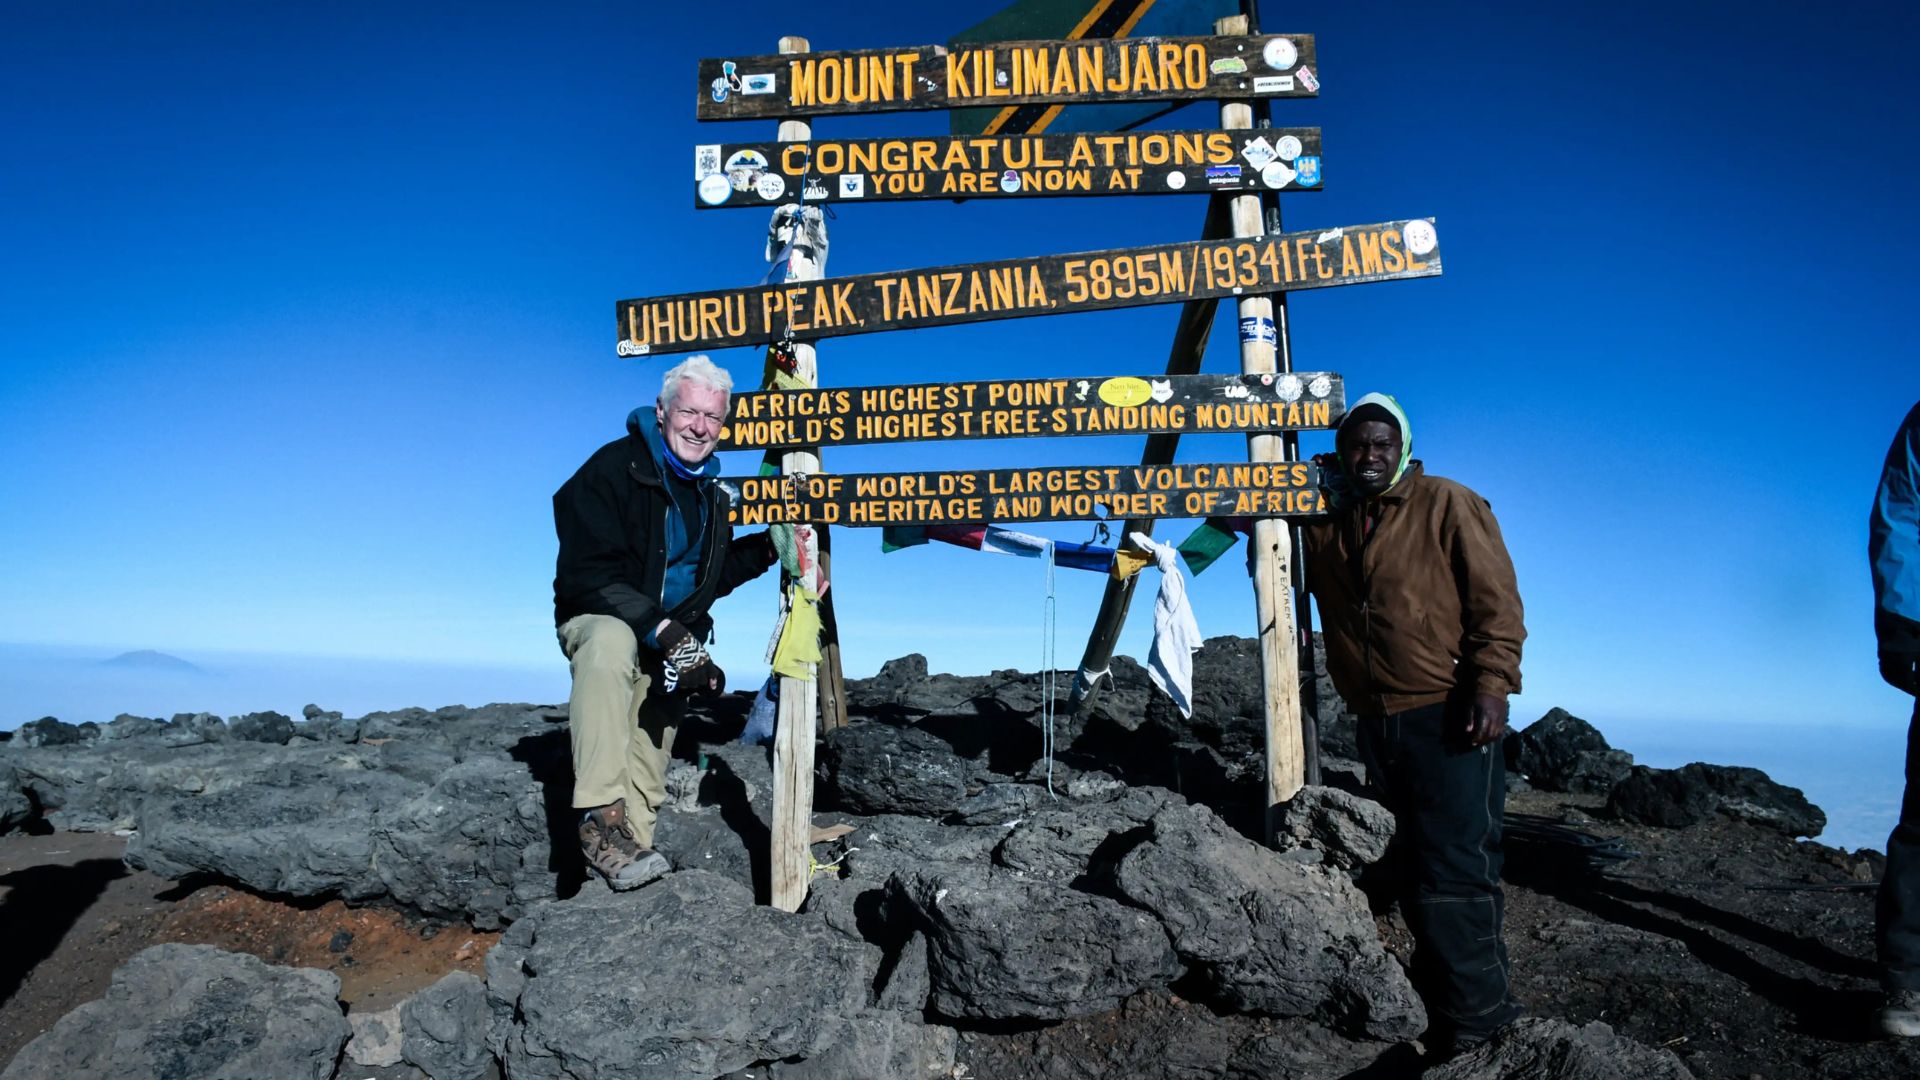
(645, 548)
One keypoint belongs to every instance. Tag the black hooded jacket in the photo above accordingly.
(611, 518)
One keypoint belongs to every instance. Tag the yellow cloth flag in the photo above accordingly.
(1128, 561)
(799, 647)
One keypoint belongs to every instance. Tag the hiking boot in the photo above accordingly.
(1900, 1016)
(612, 851)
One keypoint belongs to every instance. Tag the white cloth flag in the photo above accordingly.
(1176, 636)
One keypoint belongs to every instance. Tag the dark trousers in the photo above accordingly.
(1448, 802)
(1897, 907)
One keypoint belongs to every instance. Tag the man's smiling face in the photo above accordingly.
(1370, 454)
(691, 422)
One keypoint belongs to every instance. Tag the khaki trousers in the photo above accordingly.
(622, 736)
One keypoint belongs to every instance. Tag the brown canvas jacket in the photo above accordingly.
(1424, 607)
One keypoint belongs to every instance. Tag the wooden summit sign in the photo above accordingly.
(1055, 493)
(1007, 73)
(1019, 288)
(1121, 405)
(1002, 166)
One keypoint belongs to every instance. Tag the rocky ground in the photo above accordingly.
(396, 895)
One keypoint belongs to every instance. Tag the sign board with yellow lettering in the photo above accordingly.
(1054, 493)
(1001, 166)
(1019, 288)
(1018, 408)
(1007, 73)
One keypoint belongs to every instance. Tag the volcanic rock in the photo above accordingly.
(129, 726)
(1156, 1034)
(872, 768)
(445, 1028)
(47, 731)
(1347, 831)
(1269, 935)
(175, 1012)
(878, 1044)
(1540, 1049)
(1561, 752)
(686, 977)
(1677, 798)
(1003, 947)
(267, 727)
(376, 1038)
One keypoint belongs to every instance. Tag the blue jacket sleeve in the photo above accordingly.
(1893, 543)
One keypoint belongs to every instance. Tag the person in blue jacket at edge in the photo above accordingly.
(1893, 550)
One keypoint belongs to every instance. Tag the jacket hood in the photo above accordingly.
(642, 424)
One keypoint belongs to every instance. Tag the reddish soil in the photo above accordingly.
(71, 913)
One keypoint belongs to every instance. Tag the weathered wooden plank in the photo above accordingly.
(1052, 493)
(1017, 408)
(1007, 73)
(790, 863)
(1019, 288)
(1007, 166)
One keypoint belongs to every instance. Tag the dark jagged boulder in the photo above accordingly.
(1678, 798)
(872, 768)
(594, 991)
(1269, 935)
(1541, 1049)
(1561, 752)
(178, 1011)
(1001, 947)
(48, 731)
(1346, 831)
(266, 727)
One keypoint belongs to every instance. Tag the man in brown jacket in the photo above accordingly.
(1422, 623)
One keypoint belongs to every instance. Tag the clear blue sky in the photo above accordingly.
(305, 310)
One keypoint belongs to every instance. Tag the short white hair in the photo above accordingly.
(699, 370)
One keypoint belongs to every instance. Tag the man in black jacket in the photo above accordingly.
(645, 549)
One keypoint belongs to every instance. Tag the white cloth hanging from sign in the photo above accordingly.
(1176, 635)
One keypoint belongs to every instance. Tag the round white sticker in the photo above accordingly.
(1009, 181)
(1288, 147)
(1420, 237)
(1276, 175)
(770, 186)
(1289, 388)
(1321, 386)
(714, 189)
(1176, 180)
(1280, 54)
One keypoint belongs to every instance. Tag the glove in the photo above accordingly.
(687, 663)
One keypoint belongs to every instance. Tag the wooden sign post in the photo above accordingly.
(799, 708)
(1272, 540)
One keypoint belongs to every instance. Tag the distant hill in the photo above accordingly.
(149, 660)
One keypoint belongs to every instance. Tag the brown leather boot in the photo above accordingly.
(612, 851)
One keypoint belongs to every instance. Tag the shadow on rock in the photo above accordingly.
(548, 756)
(1817, 1010)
